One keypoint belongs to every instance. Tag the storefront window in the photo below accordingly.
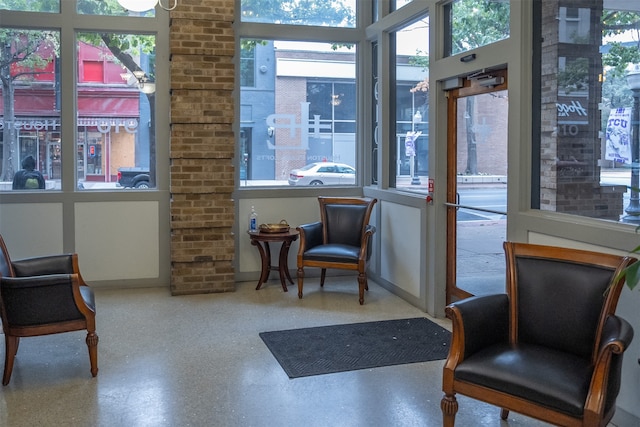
(30, 111)
(116, 102)
(410, 159)
(298, 122)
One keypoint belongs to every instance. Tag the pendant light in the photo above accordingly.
(144, 5)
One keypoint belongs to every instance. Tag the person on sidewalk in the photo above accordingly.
(28, 178)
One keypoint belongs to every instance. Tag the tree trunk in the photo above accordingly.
(10, 161)
(472, 154)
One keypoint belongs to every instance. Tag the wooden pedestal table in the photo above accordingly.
(261, 241)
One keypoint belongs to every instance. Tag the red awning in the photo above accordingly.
(103, 103)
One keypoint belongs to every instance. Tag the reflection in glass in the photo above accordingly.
(584, 164)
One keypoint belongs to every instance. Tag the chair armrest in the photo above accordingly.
(615, 338)
(53, 264)
(365, 244)
(38, 300)
(478, 322)
(616, 335)
(310, 235)
(370, 229)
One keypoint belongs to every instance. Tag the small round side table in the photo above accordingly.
(261, 241)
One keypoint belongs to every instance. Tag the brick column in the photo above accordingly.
(202, 147)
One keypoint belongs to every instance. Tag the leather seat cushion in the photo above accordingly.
(333, 252)
(551, 378)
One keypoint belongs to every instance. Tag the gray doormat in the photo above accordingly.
(329, 349)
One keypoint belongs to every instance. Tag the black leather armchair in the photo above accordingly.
(41, 296)
(551, 348)
(341, 239)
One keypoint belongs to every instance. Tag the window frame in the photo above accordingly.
(68, 22)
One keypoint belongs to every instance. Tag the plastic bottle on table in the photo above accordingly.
(253, 220)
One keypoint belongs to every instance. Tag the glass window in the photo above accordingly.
(301, 110)
(588, 89)
(248, 63)
(311, 12)
(113, 8)
(116, 137)
(30, 122)
(397, 4)
(475, 23)
(50, 6)
(410, 155)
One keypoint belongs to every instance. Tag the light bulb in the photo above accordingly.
(138, 5)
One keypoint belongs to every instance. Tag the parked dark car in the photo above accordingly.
(133, 177)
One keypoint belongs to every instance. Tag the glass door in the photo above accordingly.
(477, 185)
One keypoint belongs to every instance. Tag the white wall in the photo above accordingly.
(118, 243)
(400, 248)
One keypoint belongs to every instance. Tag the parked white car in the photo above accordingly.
(323, 173)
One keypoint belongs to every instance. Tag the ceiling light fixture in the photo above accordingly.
(144, 5)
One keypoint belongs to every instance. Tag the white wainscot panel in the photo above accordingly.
(117, 240)
(400, 252)
(32, 229)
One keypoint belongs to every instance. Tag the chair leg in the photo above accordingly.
(323, 274)
(11, 348)
(300, 281)
(504, 414)
(362, 285)
(449, 407)
(92, 344)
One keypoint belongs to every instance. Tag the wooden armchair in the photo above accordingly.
(42, 296)
(551, 348)
(341, 239)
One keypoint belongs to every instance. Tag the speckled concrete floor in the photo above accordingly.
(198, 361)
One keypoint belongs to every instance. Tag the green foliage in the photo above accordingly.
(421, 59)
(478, 23)
(620, 56)
(632, 272)
(575, 75)
(29, 49)
(52, 6)
(616, 22)
(334, 13)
